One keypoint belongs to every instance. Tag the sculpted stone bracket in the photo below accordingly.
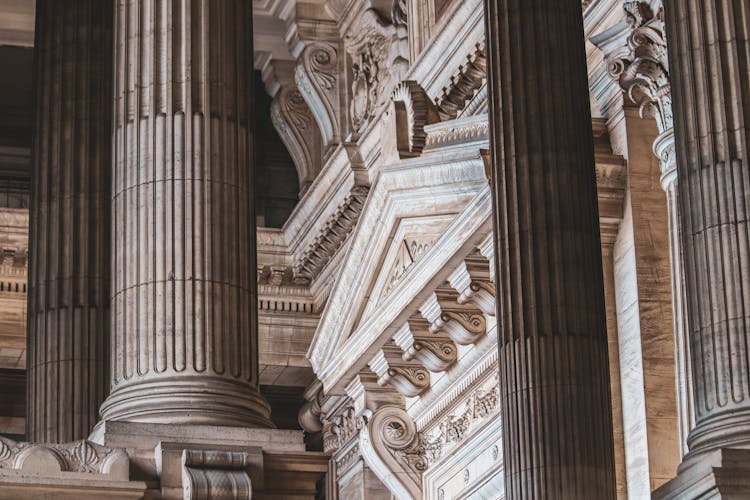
(317, 76)
(295, 124)
(79, 456)
(408, 377)
(435, 351)
(217, 475)
(331, 236)
(463, 323)
(464, 84)
(472, 282)
(413, 110)
(379, 54)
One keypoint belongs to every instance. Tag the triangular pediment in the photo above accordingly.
(411, 239)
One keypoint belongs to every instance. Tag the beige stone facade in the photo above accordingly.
(365, 249)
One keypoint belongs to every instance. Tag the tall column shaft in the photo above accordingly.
(68, 301)
(184, 328)
(557, 422)
(709, 53)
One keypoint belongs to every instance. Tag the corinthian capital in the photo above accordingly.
(643, 70)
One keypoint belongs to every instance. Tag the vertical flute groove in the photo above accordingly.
(557, 431)
(709, 43)
(68, 310)
(188, 309)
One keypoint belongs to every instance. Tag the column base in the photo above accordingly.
(198, 400)
(720, 474)
(175, 459)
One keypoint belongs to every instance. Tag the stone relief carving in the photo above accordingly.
(317, 77)
(455, 427)
(217, 475)
(379, 59)
(79, 456)
(338, 431)
(412, 249)
(414, 110)
(643, 73)
(295, 124)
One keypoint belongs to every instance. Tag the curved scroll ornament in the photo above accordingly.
(411, 381)
(379, 53)
(390, 444)
(436, 355)
(643, 73)
(317, 78)
(463, 328)
(294, 122)
(414, 110)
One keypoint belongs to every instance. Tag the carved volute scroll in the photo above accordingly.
(414, 110)
(379, 59)
(394, 449)
(643, 73)
(317, 76)
(295, 124)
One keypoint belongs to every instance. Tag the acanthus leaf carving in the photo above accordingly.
(317, 78)
(643, 72)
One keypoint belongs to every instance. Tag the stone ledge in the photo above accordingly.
(722, 474)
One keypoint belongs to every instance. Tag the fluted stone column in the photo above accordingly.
(710, 62)
(664, 147)
(557, 423)
(68, 315)
(184, 329)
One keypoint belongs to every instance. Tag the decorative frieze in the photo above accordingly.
(331, 236)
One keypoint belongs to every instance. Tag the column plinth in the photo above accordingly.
(69, 265)
(554, 373)
(184, 306)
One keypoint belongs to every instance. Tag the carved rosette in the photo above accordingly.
(379, 58)
(414, 110)
(317, 78)
(643, 73)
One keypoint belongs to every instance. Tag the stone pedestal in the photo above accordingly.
(557, 424)
(68, 317)
(184, 306)
(203, 461)
(710, 86)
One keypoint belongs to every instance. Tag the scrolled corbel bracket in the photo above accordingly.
(317, 77)
(390, 445)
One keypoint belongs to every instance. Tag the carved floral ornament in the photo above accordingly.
(643, 72)
(379, 58)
